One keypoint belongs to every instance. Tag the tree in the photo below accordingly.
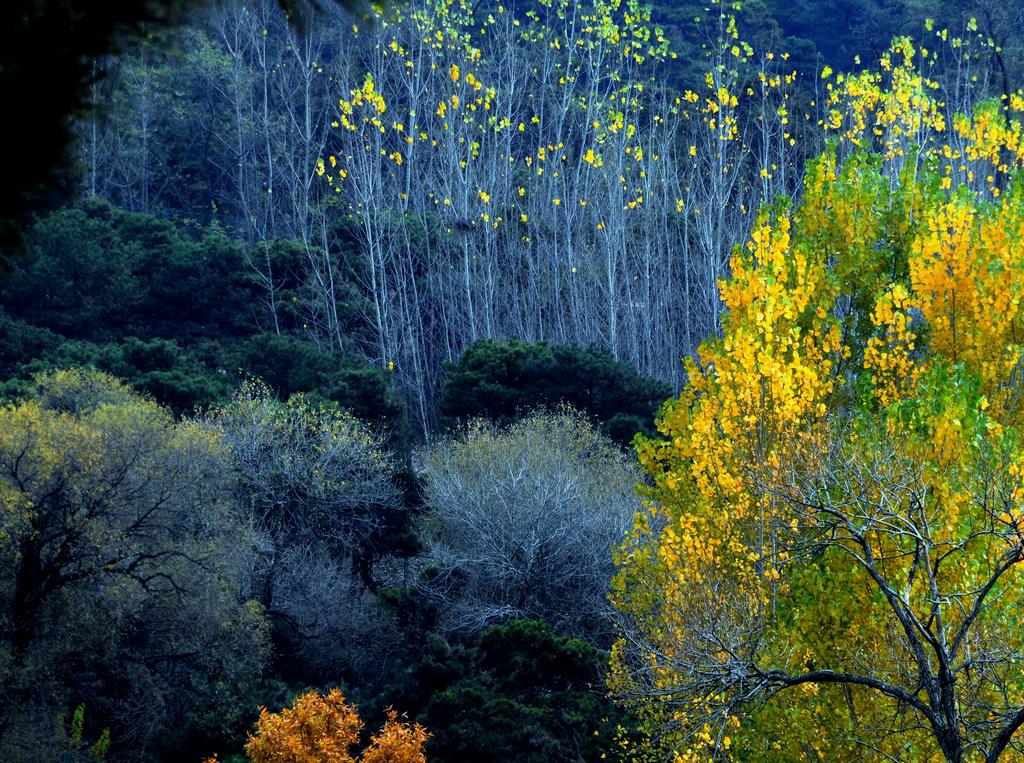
(857, 29)
(323, 728)
(81, 276)
(829, 564)
(521, 521)
(122, 556)
(99, 273)
(553, 190)
(520, 172)
(319, 486)
(502, 381)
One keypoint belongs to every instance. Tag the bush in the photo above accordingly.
(290, 366)
(517, 693)
(503, 380)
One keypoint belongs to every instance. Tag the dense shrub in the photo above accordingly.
(502, 380)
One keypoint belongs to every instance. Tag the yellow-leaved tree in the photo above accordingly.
(828, 565)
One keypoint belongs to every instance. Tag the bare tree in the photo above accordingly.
(523, 521)
(458, 176)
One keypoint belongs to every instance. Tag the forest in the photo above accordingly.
(514, 381)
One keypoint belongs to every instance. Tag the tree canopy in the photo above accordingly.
(830, 559)
(336, 368)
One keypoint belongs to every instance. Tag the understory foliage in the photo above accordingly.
(828, 565)
(170, 308)
(514, 692)
(521, 693)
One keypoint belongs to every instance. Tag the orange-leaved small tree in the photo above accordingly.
(323, 728)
